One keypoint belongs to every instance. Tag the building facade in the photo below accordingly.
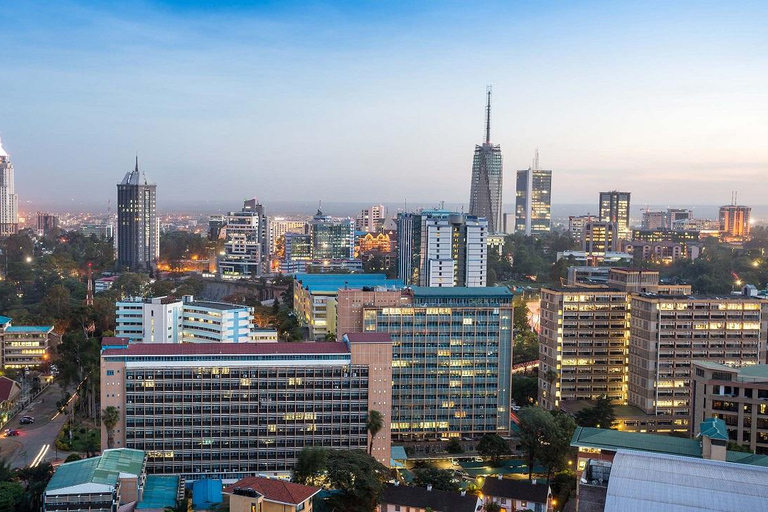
(735, 222)
(138, 233)
(370, 219)
(332, 239)
(442, 249)
(533, 200)
(47, 223)
(487, 179)
(598, 239)
(229, 411)
(279, 226)
(576, 225)
(451, 361)
(9, 201)
(614, 207)
(245, 249)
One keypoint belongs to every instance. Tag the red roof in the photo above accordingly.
(368, 337)
(275, 490)
(114, 340)
(184, 349)
(6, 386)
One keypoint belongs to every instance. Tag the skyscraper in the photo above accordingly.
(614, 207)
(246, 246)
(533, 200)
(9, 201)
(487, 178)
(734, 222)
(138, 239)
(332, 239)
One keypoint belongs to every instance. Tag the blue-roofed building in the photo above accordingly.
(24, 346)
(206, 494)
(314, 297)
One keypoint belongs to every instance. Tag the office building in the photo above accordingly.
(582, 345)
(185, 320)
(598, 239)
(9, 201)
(234, 410)
(735, 223)
(451, 360)
(332, 239)
(103, 483)
(370, 219)
(659, 252)
(736, 395)
(668, 333)
(138, 235)
(314, 298)
(23, 346)
(653, 220)
(679, 236)
(677, 216)
(47, 223)
(103, 231)
(614, 208)
(441, 248)
(586, 258)
(576, 225)
(533, 200)
(487, 178)
(216, 225)
(245, 249)
(279, 227)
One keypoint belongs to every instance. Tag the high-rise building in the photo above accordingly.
(734, 222)
(576, 225)
(653, 220)
(598, 239)
(246, 245)
(370, 219)
(9, 201)
(138, 236)
(533, 200)
(332, 239)
(441, 248)
(47, 223)
(279, 226)
(614, 207)
(487, 178)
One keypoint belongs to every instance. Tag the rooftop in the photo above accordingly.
(7, 388)
(235, 349)
(275, 490)
(102, 470)
(29, 328)
(4, 319)
(420, 497)
(714, 428)
(160, 491)
(462, 291)
(753, 373)
(317, 283)
(516, 489)
(368, 337)
(221, 306)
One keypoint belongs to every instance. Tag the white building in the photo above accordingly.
(170, 320)
(279, 226)
(370, 219)
(246, 244)
(9, 201)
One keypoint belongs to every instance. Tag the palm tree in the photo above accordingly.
(374, 425)
(110, 416)
(551, 376)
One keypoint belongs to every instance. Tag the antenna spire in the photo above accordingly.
(488, 90)
(536, 160)
(137, 161)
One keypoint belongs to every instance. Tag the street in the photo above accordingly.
(35, 443)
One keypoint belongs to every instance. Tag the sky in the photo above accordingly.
(383, 101)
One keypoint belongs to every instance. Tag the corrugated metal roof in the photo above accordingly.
(589, 437)
(462, 291)
(159, 492)
(651, 481)
(103, 470)
(235, 349)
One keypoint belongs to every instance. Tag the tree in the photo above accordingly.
(374, 424)
(491, 506)
(110, 416)
(454, 446)
(11, 494)
(310, 464)
(601, 415)
(554, 451)
(536, 425)
(524, 389)
(441, 479)
(72, 457)
(131, 284)
(493, 446)
(358, 477)
(57, 302)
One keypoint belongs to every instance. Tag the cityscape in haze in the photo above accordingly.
(383, 257)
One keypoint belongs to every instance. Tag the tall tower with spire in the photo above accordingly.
(138, 237)
(487, 177)
(9, 201)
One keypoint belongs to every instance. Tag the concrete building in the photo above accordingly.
(259, 494)
(736, 395)
(233, 410)
(24, 346)
(138, 232)
(598, 239)
(185, 320)
(485, 198)
(9, 201)
(533, 200)
(576, 225)
(668, 333)
(98, 484)
(614, 208)
(279, 226)
(245, 250)
(441, 248)
(653, 220)
(370, 219)
(104, 230)
(314, 298)
(735, 223)
(680, 236)
(585, 258)
(47, 223)
(451, 360)
(332, 239)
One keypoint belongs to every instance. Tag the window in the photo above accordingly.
(110, 372)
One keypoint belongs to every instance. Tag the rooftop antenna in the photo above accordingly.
(536, 160)
(488, 90)
(137, 161)
(735, 197)
(89, 293)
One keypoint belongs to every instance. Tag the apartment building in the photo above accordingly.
(451, 359)
(736, 395)
(185, 320)
(233, 410)
(667, 333)
(582, 345)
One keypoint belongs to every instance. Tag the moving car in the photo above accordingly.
(10, 432)
(25, 420)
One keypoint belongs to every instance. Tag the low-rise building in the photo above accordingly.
(97, 484)
(259, 494)
(403, 498)
(511, 494)
(24, 346)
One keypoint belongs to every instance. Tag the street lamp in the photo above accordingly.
(28, 259)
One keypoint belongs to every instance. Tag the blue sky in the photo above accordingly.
(383, 101)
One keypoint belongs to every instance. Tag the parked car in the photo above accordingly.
(26, 420)
(10, 432)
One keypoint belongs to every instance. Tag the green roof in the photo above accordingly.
(757, 370)
(606, 439)
(103, 470)
(160, 491)
(714, 428)
(462, 291)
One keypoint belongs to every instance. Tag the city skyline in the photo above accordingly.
(284, 79)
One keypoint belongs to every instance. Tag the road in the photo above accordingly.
(35, 441)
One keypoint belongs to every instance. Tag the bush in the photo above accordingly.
(72, 457)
